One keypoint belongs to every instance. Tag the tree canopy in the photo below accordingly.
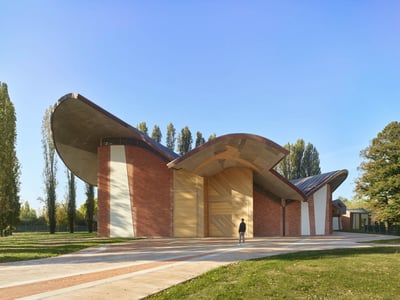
(50, 169)
(379, 183)
(9, 165)
(302, 161)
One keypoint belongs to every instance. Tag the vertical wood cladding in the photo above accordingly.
(103, 191)
(188, 209)
(230, 198)
(150, 184)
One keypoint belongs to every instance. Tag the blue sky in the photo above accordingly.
(324, 71)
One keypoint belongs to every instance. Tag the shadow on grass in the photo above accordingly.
(342, 252)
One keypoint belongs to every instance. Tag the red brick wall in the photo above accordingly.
(328, 222)
(293, 218)
(151, 194)
(267, 216)
(103, 191)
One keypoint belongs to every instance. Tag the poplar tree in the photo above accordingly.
(89, 207)
(185, 141)
(71, 205)
(302, 161)
(379, 183)
(50, 169)
(170, 139)
(156, 133)
(143, 128)
(9, 165)
(199, 139)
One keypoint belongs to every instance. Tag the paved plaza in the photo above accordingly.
(136, 269)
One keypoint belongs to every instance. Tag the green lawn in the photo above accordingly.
(363, 273)
(32, 245)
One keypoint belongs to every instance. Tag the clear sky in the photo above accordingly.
(324, 71)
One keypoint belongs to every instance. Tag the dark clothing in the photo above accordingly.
(242, 230)
(242, 227)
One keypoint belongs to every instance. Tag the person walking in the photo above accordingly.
(242, 231)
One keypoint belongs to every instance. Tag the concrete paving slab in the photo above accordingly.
(139, 268)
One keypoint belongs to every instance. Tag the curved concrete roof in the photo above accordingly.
(78, 126)
(241, 150)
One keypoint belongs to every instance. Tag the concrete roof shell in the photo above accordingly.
(241, 150)
(78, 126)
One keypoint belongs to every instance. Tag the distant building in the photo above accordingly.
(356, 219)
(147, 190)
(338, 210)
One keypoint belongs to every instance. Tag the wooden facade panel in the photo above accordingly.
(230, 198)
(188, 191)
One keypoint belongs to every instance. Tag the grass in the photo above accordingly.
(362, 273)
(32, 245)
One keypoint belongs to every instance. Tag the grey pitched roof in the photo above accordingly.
(311, 184)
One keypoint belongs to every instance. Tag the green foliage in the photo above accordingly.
(27, 215)
(9, 165)
(25, 246)
(50, 169)
(185, 141)
(212, 136)
(143, 127)
(302, 161)
(379, 183)
(362, 273)
(71, 203)
(156, 133)
(199, 139)
(170, 139)
(90, 207)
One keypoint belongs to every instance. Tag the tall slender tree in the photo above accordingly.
(156, 133)
(379, 183)
(170, 139)
(50, 169)
(71, 205)
(302, 161)
(185, 141)
(199, 139)
(212, 136)
(9, 165)
(142, 126)
(90, 207)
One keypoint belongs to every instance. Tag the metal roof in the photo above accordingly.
(311, 184)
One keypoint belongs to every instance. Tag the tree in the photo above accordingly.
(302, 161)
(199, 139)
(9, 165)
(170, 139)
(90, 206)
(379, 183)
(185, 141)
(50, 169)
(212, 136)
(143, 127)
(27, 215)
(71, 201)
(156, 133)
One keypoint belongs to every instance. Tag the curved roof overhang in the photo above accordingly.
(78, 126)
(241, 150)
(309, 185)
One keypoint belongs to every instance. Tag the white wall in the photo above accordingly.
(305, 219)
(121, 223)
(320, 209)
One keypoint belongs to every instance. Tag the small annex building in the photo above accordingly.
(147, 190)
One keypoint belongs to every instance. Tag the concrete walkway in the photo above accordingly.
(139, 268)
